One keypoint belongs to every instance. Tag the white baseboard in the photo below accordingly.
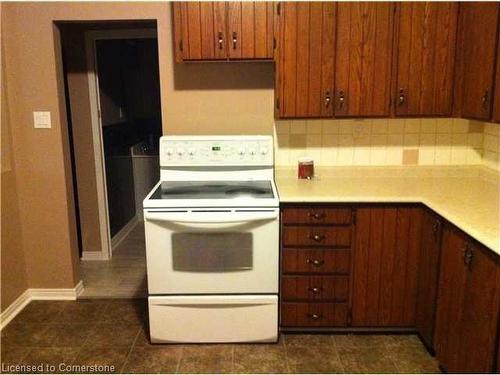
(94, 255)
(34, 294)
(122, 234)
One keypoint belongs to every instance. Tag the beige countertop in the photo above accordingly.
(468, 197)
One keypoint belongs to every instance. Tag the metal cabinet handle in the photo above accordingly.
(315, 290)
(341, 98)
(316, 237)
(235, 39)
(327, 99)
(315, 262)
(485, 98)
(316, 215)
(468, 255)
(220, 39)
(315, 316)
(402, 97)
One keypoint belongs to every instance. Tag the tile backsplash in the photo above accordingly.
(429, 141)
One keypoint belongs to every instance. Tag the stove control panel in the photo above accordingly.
(216, 150)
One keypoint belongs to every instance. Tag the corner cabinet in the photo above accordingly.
(425, 48)
(363, 58)
(305, 59)
(216, 30)
(468, 305)
(476, 59)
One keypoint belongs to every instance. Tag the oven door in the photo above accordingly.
(212, 251)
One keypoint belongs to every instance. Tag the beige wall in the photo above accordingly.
(234, 98)
(13, 273)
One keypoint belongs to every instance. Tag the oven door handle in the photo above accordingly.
(211, 218)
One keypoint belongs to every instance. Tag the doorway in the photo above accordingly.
(123, 126)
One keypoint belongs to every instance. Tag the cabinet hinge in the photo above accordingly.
(278, 9)
(181, 46)
(354, 216)
(274, 43)
(277, 103)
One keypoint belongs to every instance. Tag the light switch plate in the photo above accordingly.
(41, 120)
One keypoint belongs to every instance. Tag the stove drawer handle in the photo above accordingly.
(196, 219)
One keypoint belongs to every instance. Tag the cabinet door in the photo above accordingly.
(385, 270)
(305, 62)
(450, 298)
(426, 58)
(250, 30)
(363, 58)
(480, 313)
(428, 271)
(478, 36)
(200, 30)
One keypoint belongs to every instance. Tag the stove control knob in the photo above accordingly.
(241, 151)
(180, 151)
(169, 152)
(263, 150)
(191, 151)
(251, 151)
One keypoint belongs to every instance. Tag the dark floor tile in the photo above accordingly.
(12, 355)
(51, 360)
(366, 360)
(153, 359)
(392, 341)
(69, 334)
(360, 341)
(313, 359)
(260, 358)
(83, 311)
(143, 337)
(113, 334)
(41, 312)
(307, 340)
(26, 335)
(413, 359)
(207, 359)
(126, 310)
(112, 358)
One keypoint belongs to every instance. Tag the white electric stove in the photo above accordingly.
(212, 241)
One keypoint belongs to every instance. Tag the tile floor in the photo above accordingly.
(114, 332)
(124, 275)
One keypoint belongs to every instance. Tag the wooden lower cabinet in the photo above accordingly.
(428, 273)
(392, 266)
(468, 304)
(385, 266)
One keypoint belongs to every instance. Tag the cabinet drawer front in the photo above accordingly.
(317, 215)
(313, 314)
(316, 236)
(311, 261)
(331, 288)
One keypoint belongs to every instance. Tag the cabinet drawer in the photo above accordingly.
(316, 236)
(331, 288)
(315, 261)
(313, 314)
(317, 215)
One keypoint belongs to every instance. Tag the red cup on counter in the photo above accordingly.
(306, 168)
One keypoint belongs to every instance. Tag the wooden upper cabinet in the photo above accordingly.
(425, 58)
(363, 58)
(476, 59)
(250, 30)
(306, 57)
(216, 30)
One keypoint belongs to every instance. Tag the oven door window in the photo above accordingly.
(212, 252)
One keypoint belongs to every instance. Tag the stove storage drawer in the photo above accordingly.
(333, 236)
(317, 215)
(316, 261)
(315, 288)
(305, 315)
